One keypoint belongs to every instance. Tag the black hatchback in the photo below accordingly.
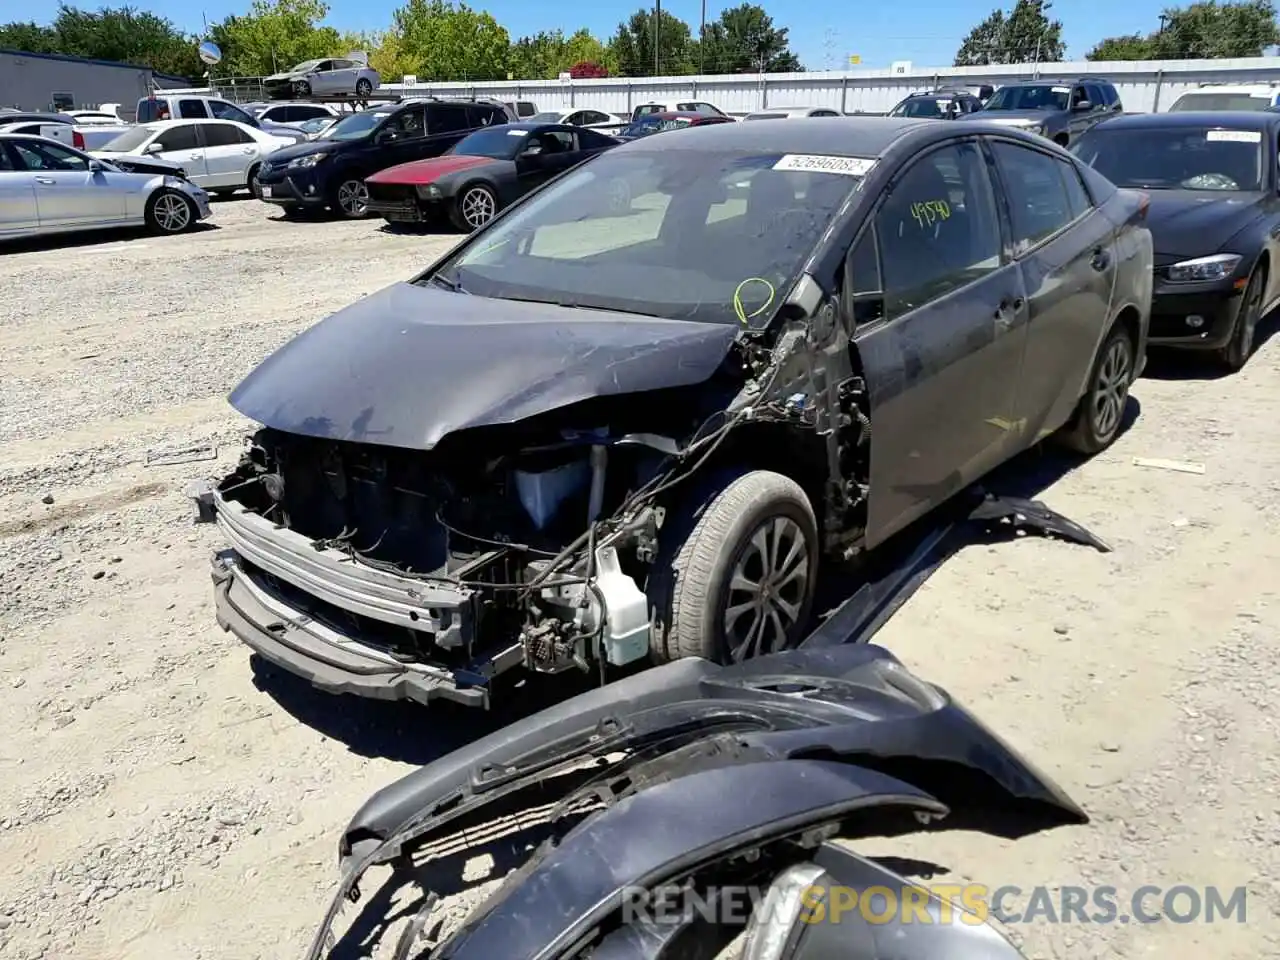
(331, 172)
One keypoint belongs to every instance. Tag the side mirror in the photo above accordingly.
(95, 166)
(153, 148)
(1082, 105)
(386, 136)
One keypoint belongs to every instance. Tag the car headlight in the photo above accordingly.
(1220, 266)
(310, 160)
(429, 192)
(1037, 128)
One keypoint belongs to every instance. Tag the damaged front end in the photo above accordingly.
(698, 778)
(446, 487)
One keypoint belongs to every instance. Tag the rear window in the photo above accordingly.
(765, 116)
(1221, 101)
(149, 110)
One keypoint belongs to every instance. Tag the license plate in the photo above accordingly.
(268, 191)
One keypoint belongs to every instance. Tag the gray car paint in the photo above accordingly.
(409, 365)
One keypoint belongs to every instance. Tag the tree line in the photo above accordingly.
(430, 39)
(1204, 30)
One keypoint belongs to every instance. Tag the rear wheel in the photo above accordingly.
(363, 87)
(476, 205)
(255, 187)
(1236, 353)
(1096, 422)
(169, 212)
(740, 582)
(351, 199)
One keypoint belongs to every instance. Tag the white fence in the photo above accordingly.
(1149, 85)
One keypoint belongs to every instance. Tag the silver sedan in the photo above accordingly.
(47, 187)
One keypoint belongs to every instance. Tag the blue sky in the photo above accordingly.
(823, 32)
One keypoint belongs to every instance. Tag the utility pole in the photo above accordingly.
(702, 41)
(657, 25)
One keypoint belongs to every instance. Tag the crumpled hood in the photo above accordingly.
(429, 171)
(1197, 223)
(409, 365)
(287, 75)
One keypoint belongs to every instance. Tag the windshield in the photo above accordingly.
(1039, 96)
(315, 124)
(1220, 101)
(357, 125)
(678, 234)
(924, 107)
(500, 143)
(305, 66)
(128, 141)
(1177, 158)
(547, 117)
(651, 124)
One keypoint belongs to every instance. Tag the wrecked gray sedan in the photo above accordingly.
(657, 817)
(630, 417)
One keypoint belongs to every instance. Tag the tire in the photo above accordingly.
(363, 87)
(350, 199)
(1236, 353)
(301, 88)
(1096, 422)
(475, 206)
(695, 608)
(168, 212)
(255, 187)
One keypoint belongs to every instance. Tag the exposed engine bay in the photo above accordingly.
(531, 543)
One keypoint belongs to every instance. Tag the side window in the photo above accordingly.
(148, 110)
(303, 111)
(561, 141)
(1037, 193)
(46, 156)
(223, 135)
(191, 108)
(448, 118)
(180, 137)
(574, 119)
(937, 229)
(223, 110)
(343, 65)
(324, 65)
(1096, 96)
(6, 160)
(408, 124)
(1077, 197)
(864, 290)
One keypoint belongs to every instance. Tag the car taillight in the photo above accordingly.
(77, 139)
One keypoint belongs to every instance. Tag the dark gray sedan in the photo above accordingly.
(630, 416)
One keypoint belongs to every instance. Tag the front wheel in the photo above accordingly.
(255, 187)
(1096, 422)
(169, 212)
(740, 582)
(476, 205)
(351, 199)
(1236, 353)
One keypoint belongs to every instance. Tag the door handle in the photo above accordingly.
(1101, 259)
(247, 151)
(47, 181)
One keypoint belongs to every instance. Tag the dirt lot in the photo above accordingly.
(164, 799)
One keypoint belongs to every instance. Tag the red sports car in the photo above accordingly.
(486, 171)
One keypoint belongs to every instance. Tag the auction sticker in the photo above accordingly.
(813, 163)
(1234, 136)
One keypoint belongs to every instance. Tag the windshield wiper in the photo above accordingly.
(451, 285)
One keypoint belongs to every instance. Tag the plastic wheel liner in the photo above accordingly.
(685, 764)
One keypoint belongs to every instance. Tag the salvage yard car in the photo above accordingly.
(333, 76)
(593, 434)
(1214, 220)
(487, 171)
(47, 187)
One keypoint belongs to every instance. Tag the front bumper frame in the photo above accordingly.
(1219, 302)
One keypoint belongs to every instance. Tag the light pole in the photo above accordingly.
(657, 26)
(702, 40)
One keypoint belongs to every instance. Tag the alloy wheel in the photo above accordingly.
(767, 589)
(1111, 391)
(478, 207)
(172, 213)
(353, 198)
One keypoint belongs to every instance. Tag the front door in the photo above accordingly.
(1064, 248)
(17, 195)
(67, 192)
(942, 345)
(181, 144)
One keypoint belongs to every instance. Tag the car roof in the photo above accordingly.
(1239, 119)
(1267, 88)
(853, 136)
(530, 125)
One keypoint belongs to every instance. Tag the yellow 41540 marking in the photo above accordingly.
(929, 212)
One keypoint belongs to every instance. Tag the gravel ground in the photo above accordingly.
(166, 799)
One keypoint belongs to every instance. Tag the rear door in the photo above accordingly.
(228, 152)
(17, 195)
(941, 335)
(1064, 248)
(181, 144)
(343, 76)
(447, 123)
(192, 109)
